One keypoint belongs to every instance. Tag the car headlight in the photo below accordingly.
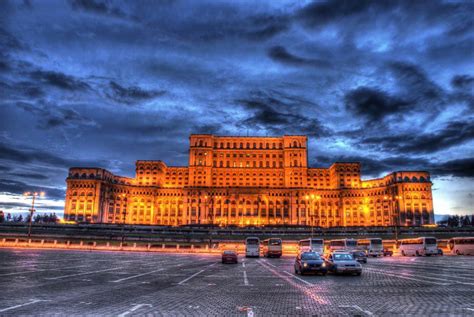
(305, 264)
(323, 265)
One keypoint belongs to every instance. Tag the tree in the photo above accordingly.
(53, 218)
(465, 222)
(37, 218)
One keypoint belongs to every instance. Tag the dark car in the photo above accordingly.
(310, 262)
(360, 256)
(343, 262)
(229, 256)
(387, 252)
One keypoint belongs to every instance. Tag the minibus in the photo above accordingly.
(311, 244)
(461, 245)
(419, 246)
(372, 246)
(343, 244)
(252, 247)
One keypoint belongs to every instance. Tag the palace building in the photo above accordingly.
(248, 181)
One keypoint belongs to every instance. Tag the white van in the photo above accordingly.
(461, 245)
(372, 246)
(252, 247)
(311, 244)
(419, 246)
(343, 244)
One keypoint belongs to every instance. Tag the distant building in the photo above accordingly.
(248, 181)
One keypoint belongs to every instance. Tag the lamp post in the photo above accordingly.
(124, 219)
(395, 215)
(32, 210)
(311, 199)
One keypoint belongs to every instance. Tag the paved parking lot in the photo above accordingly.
(51, 282)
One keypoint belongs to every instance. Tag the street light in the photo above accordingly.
(32, 210)
(124, 212)
(311, 209)
(395, 214)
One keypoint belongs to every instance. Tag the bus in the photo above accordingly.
(343, 244)
(372, 246)
(315, 245)
(461, 245)
(252, 247)
(272, 247)
(419, 246)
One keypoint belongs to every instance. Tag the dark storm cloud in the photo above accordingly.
(9, 42)
(9, 153)
(453, 134)
(19, 187)
(29, 175)
(463, 82)
(374, 104)
(133, 94)
(59, 80)
(415, 82)
(52, 116)
(278, 116)
(280, 54)
(457, 167)
(376, 167)
(318, 13)
(98, 7)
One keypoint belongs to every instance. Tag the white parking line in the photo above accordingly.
(43, 270)
(358, 308)
(187, 279)
(243, 263)
(299, 279)
(195, 274)
(269, 263)
(79, 274)
(438, 273)
(25, 304)
(404, 277)
(134, 276)
(450, 281)
(134, 308)
(246, 281)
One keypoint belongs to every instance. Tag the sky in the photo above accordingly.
(106, 83)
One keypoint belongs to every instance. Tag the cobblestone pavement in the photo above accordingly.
(54, 282)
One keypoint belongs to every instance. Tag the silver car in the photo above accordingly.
(343, 263)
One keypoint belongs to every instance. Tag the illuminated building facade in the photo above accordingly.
(248, 181)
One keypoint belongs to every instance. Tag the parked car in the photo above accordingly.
(343, 262)
(229, 256)
(360, 256)
(310, 262)
(387, 252)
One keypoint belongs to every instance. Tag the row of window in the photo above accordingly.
(247, 145)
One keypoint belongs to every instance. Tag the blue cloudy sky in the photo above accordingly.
(104, 83)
